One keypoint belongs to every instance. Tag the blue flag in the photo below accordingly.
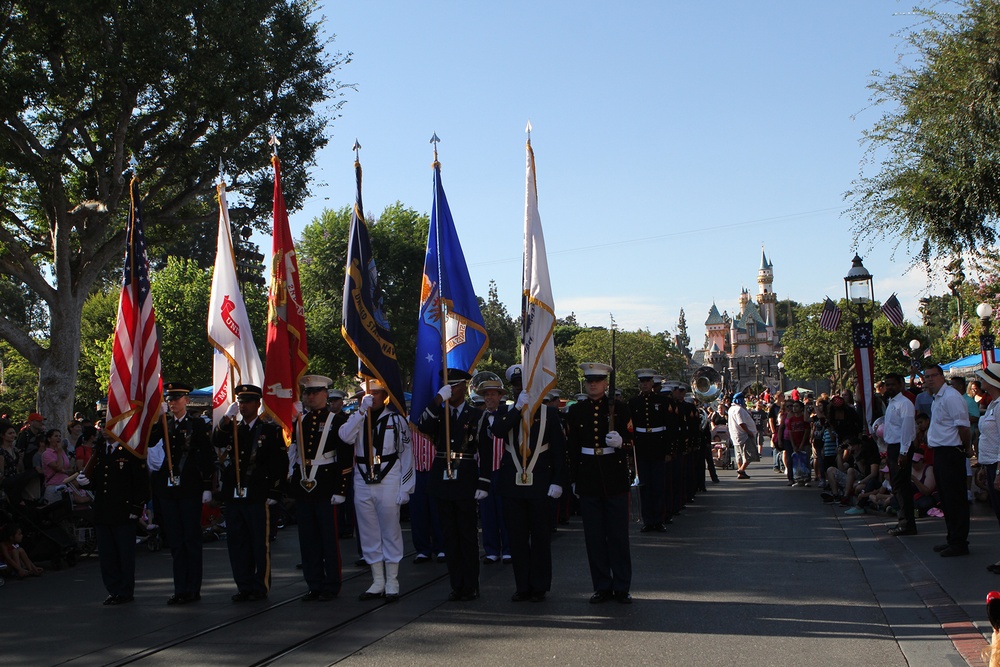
(364, 324)
(446, 292)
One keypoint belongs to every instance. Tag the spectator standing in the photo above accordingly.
(989, 440)
(949, 437)
(743, 433)
(900, 428)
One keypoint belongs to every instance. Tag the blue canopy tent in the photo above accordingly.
(966, 365)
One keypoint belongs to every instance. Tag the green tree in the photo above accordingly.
(100, 312)
(181, 293)
(399, 241)
(683, 340)
(17, 391)
(633, 350)
(504, 334)
(936, 146)
(174, 84)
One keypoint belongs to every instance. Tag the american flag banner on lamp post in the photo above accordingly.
(864, 364)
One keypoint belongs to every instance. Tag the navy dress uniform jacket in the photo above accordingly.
(550, 467)
(191, 454)
(465, 442)
(120, 483)
(263, 460)
(587, 425)
(333, 478)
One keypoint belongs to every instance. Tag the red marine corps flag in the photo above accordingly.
(286, 352)
(236, 360)
(135, 390)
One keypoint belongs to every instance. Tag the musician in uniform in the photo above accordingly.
(120, 483)
(649, 421)
(530, 480)
(181, 479)
(319, 467)
(600, 475)
(255, 463)
(457, 481)
(383, 481)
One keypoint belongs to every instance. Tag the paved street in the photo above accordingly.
(753, 573)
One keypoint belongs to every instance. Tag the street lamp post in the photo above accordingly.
(914, 360)
(987, 341)
(860, 292)
(781, 376)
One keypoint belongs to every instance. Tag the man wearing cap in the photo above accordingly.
(600, 474)
(530, 480)
(255, 463)
(649, 423)
(181, 462)
(383, 481)
(743, 433)
(949, 436)
(319, 468)
(496, 543)
(457, 481)
(899, 429)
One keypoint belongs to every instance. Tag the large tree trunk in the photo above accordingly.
(60, 362)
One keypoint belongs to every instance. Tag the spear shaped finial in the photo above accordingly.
(274, 142)
(528, 130)
(356, 148)
(435, 140)
(222, 176)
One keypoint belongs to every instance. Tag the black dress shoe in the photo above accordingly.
(954, 551)
(326, 597)
(110, 598)
(360, 562)
(622, 597)
(660, 528)
(520, 597)
(490, 560)
(364, 597)
(392, 597)
(903, 530)
(177, 599)
(242, 596)
(311, 596)
(442, 559)
(993, 567)
(538, 597)
(454, 596)
(646, 528)
(119, 599)
(600, 596)
(941, 547)
(421, 559)
(469, 596)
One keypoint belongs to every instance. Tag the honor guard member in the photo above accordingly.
(120, 483)
(182, 482)
(255, 463)
(531, 479)
(318, 479)
(649, 418)
(383, 481)
(458, 481)
(496, 542)
(600, 475)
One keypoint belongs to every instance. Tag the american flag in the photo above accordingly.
(964, 328)
(423, 451)
(893, 311)
(927, 353)
(829, 319)
(135, 390)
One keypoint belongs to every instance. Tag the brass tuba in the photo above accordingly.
(706, 384)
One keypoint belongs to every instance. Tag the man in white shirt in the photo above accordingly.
(900, 427)
(949, 436)
(743, 433)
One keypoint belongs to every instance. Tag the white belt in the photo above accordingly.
(598, 451)
(655, 429)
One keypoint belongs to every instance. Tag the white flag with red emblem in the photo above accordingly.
(236, 360)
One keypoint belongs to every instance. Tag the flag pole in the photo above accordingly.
(236, 435)
(525, 289)
(443, 316)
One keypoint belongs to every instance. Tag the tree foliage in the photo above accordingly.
(633, 350)
(504, 334)
(399, 241)
(174, 84)
(937, 146)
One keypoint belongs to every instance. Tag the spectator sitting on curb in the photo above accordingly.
(14, 556)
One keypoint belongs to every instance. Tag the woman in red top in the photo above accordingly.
(793, 435)
(85, 446)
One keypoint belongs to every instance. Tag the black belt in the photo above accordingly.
(379, 469)
(456, 456)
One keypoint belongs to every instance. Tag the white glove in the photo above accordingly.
(481, 495)
(82, 479)
(613, 440)
(133, 517)
(445, 393)
(366, 403)
(522, 400)
(297, 407)
(163, 408)
(336, 500)
(155, 456)
(206, 497)
(572, 488)
(555, 491)
(232, 411)
(402, 498)
(272, 501)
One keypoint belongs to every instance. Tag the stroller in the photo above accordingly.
(720, 448)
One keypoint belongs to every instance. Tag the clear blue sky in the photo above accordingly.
(672, 139)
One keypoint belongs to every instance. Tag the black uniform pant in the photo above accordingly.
(949, 472)
(181, 521)
(116, 553)
(676, 483)
(248, 544)
(461, 542)
(706, 451)
(902, 485)
(652, 490)
(605, 532)
(529, 527)
(318, 534)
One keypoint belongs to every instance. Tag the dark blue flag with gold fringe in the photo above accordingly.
(364, 324)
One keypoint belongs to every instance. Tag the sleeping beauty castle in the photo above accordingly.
(745, 347)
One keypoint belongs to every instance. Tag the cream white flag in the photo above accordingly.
(228, 325)
(538, 318)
